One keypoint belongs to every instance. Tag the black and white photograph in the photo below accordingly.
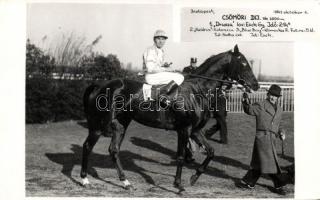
(166, 100)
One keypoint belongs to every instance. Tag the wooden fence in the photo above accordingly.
(286, 101)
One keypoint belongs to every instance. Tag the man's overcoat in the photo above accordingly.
(268, 117)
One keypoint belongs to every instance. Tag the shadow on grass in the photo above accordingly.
(69, 160)
(106, 132)
(212, 171)
(159, 148)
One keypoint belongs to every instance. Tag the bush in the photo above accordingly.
(54, 100)
(69, 100)
(39, 100)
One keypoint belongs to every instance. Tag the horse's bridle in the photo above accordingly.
(240, 81)
(245, 85)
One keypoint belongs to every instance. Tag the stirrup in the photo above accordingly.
(165, 101)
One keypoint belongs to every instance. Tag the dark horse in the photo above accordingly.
(187, 115)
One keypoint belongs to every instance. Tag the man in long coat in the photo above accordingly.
(264, 155)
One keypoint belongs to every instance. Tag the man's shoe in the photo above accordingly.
(243, 184)
(280, 191)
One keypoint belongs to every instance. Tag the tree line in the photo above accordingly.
(92, 66)
(55, 85)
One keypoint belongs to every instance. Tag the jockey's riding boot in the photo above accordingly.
(172, 85)
(166, 91)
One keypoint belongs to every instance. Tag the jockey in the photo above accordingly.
(157, 71)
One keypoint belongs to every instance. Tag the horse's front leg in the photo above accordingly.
(201, 140)
(182, 143)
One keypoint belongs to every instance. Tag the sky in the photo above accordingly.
(127, 30)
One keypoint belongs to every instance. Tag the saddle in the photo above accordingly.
(163, 92)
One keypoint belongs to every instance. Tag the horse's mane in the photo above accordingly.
(209, 62)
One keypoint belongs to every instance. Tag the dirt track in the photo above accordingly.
(53, 157)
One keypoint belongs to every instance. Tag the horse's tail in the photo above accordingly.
(86, 95)
(100, 118)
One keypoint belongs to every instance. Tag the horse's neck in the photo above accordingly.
(209, 84)
(205, 85)
(212, 66)
(213, 69)
(213, 72)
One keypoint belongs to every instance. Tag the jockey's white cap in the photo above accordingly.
(160, 33)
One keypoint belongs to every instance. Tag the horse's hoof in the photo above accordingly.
(193, 179)
(85, 182)
(130, 188)
(179, 187)
(181, 190)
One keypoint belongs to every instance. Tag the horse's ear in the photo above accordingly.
(236, 49)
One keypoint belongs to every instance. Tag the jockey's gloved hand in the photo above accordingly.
(166, 65)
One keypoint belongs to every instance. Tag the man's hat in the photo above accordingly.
(275, 90)
(160, 33)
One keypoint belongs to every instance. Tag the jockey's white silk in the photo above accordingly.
(156, 74)
(164, 78)
(153, 60)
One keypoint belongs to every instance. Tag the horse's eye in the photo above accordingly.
(239, 57)
(244, 64)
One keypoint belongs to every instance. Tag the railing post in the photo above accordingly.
(286, 101)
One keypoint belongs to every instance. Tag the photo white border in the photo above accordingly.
(12, 87)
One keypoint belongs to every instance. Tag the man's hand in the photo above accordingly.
(245, 98)
(282, 135)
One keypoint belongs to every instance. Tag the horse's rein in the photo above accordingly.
(239, 81)
(212, 79)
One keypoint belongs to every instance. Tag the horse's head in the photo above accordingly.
(232, 65)
(239, 69)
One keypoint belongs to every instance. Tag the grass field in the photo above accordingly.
(53, 162)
